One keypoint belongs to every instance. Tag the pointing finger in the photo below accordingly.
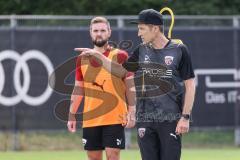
(81, 49)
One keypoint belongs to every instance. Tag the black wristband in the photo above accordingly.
(186, 116)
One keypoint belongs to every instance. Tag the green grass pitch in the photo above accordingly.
(187, 154)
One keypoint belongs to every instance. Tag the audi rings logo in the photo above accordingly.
(22, 89)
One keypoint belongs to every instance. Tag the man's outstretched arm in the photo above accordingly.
(112, 67)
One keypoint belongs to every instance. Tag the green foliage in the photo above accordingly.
(118, 7)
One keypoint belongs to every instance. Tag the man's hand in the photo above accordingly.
(71, 126)
(87, 51)
(130, 119)
(71, 123)
(182, 126)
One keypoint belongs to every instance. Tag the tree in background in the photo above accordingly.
(118, 7)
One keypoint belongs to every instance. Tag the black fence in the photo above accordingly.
(27, 56)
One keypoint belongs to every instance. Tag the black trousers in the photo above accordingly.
(158, 141)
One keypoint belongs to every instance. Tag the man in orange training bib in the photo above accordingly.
(109, 101)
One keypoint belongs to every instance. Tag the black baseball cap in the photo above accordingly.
(149, 16)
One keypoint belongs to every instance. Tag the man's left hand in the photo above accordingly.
(182, 126)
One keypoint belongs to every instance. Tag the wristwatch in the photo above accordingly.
(186, 116)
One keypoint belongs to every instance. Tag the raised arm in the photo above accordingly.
(119, 70)
(113, 67)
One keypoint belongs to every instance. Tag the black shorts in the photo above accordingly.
(158, 141)
(97, 138)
